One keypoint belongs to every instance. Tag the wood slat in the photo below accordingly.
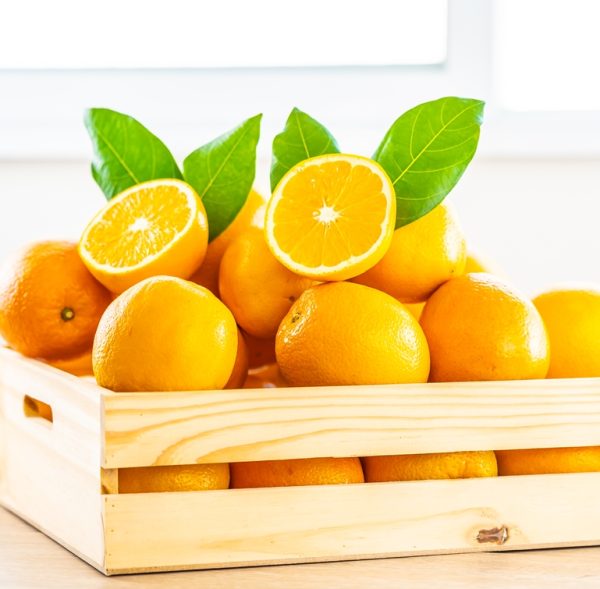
(217, 529)
(143, 429)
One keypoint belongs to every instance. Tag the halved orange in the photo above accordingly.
(331, 217)
(154, 228)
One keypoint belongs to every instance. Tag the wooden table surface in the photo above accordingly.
(29, 560)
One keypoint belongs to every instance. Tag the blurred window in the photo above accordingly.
(67, 34)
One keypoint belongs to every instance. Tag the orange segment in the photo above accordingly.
(157, 227)
(331, 217)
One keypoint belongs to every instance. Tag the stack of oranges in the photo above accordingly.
(315, 287)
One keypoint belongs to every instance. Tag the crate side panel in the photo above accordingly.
(144, 429)
(213, 529)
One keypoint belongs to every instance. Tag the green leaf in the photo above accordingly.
(125, 152)
(222, 173)
(426, 151)
(302, 137)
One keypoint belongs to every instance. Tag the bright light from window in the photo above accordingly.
(547, 54)
(70, 34)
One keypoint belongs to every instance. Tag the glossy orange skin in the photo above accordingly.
(258, 290)
(240, 368)
(252, 214)
(572, 319)
(480, 328)
(548, 460)
(294, 473)
(416, 467)
(163, 479)
(50, 304)
(423, 255)
(165, 334)
(342, 333)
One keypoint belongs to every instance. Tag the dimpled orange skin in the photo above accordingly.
(162, 479)
(348, 334)
(50, 304)
(240, 368)
(548, 460)
(417, 467)
(294, 473)
(252, 214)
(423, 255)
(572, 318)
(479, 328)
(256, 287)
(165, 334)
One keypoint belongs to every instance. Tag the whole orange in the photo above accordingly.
(343, 333)
(548, 460)
(294, 473)
(258, 290)
(252, 214)
(414, 467)
(50, 304)
(572, 318)
(480, 328)
(423, 255)
(165, 334)
(161, 479)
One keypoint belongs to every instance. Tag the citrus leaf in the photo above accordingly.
(222, 173)
(302, 137)
(426, 151)
(125, 152)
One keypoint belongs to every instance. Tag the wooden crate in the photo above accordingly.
(62, 475)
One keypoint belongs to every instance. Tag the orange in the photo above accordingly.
(344, 334)
(475, 263)
(572, 318)
(238, 375)
(480, 328)
(260, 351)
(165, 334)
(252, 214)
(331, 217)
(80, 365)
(294, 473)
(50, 305)
(155, 228)
(423, 255)
(416, 309)
(161, 479)
(416, 467)
(256, 287)
(548, 460)
(265, 377)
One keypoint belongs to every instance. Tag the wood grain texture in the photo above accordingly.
(29, 560)
(144, 429)
(50, 472)
(341, 522)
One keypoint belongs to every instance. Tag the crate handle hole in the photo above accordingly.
(35, 408)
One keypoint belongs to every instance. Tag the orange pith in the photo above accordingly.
(155, 228)
(331, 217)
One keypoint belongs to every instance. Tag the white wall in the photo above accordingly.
(537, 219)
